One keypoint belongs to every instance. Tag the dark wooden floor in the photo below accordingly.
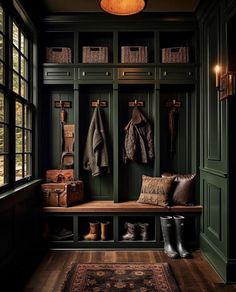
(192, 275)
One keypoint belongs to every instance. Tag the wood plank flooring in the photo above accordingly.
(192, 275)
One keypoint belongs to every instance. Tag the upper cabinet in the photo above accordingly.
(59, 47)
(135, 47)
(96, 47)
(116, 44)
(177, 47)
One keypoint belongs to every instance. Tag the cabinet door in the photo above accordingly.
(176, 73)
(96, 73)
(136, 73)
(58, 73)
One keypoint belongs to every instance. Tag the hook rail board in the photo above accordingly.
(101, 103)
(136, 103)
(62, 104)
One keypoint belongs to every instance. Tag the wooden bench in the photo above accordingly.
(124, 207)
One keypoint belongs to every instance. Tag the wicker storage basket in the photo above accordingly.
(134, 54)
(95, 55)
(58, 55)
(175, 55)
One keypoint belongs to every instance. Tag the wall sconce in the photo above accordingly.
(226, 83)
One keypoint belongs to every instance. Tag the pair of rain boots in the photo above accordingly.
(94, 230)
(173, 235)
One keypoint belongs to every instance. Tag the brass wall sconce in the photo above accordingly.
(226, 83)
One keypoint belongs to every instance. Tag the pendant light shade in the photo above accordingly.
(122, 7)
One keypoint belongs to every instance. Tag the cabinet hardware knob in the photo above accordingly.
(165, 73)
(123, 73)
(189, 73)
(107, 73)
(83, 73)
(149, 73)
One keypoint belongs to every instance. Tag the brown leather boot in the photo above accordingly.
(93, 233)
(104, 230)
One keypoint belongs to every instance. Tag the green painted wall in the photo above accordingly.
(216, 127)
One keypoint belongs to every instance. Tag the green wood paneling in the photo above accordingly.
(214, 110)
(216, 196)
(214, 199)
(180, 160)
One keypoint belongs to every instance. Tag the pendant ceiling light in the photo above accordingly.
(122, 7)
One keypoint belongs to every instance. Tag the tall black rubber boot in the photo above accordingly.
(179, 231)
(167, 226)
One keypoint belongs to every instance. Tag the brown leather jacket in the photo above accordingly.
(138, 144)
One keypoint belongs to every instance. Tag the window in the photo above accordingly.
(20, 62)
(20, 85)
(16, 132)
(4, 155)
(23, 141)
(2, 46)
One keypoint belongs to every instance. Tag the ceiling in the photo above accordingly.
(75, 6)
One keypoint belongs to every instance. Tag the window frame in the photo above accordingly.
(17, 15)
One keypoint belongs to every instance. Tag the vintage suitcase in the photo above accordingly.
(62, 194)
(59, 175)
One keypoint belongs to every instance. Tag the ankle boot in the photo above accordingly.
(104, 230)
(179, 228)
(131, 233)
(93, 233)
(168, 236)
(144, 231)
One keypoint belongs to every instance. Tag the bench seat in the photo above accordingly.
(122, 207)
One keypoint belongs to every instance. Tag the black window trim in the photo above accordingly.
(15, 11)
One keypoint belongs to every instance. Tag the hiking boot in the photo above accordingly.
(144, 229)
(131, 233)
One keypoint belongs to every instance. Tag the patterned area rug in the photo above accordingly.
(120, 277)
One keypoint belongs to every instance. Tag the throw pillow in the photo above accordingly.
(184, 190)
(156, 190)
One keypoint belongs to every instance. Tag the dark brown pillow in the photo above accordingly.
(156, 190)
(184, 190)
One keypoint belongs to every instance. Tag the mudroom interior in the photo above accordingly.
(117, 151)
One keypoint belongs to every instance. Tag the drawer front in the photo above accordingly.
(173, 73)
(58, 73)
(136, 73)
(96, 73)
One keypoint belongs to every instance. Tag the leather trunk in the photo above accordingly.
(62, 194)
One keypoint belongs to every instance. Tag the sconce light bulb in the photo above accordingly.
(217, 68)
(217, 71)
